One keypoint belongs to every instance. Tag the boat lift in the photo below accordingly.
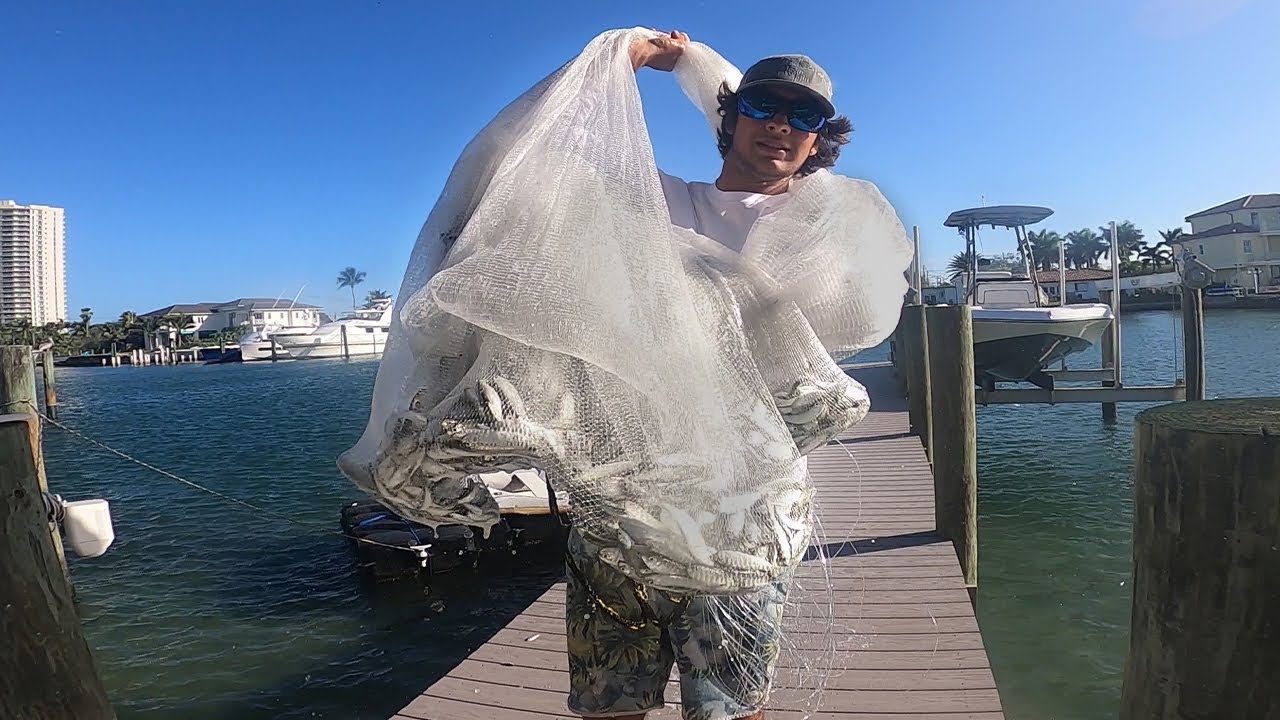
(1192, 275)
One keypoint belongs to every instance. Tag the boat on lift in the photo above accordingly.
(1017, 333)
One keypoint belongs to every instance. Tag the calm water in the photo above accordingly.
(206, 610)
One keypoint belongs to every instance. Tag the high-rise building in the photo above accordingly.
(33, 263)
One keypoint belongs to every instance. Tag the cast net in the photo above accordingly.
(552, 317)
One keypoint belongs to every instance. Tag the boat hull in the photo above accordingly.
(330, 350)
(1016, 345)
(261, 350)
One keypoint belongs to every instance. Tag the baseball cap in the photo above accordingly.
(798, 71)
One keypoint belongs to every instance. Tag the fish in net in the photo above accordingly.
(551, 316)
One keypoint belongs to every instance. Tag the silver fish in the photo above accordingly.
(492, 401)
(511, 400)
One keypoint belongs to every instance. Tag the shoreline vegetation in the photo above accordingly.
(132, 331)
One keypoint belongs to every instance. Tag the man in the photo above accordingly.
(623, 639)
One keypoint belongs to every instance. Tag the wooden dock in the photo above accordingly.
(903, 645)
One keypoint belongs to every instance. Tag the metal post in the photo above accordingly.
(1062, 272)
(1115, 304)
(916, 277)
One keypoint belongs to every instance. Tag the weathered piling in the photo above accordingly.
(915, 364)
(1204, 639)
(346, 353)
(50, 390)
(18, 396)
(17, 381)
(46, 669)
(1193, 341)
(949, 336)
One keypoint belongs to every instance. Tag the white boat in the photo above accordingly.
(1016, 333)
(264, 318)
(257, 344)
(360, 333)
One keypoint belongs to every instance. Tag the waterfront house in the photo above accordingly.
(199, 313)
(259, 312)
(209, 318)
(1240, 240)
(1082, 283)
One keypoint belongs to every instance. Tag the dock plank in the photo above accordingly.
(881, 605)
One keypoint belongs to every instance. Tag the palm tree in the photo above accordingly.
(150, 324)
(128, 319)
(1084, 248)
(1044, 248)
(374, 297)
(86, 316)
(960, 263)
(350, 278)
(1158, 255)
(177, 322)
(1128, 239)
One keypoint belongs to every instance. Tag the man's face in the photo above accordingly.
(771, 149)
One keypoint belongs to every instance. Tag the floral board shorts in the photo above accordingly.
(620, 665)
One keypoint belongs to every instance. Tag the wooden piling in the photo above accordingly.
(18, 396)
(1193, 341)
(346, 353)
(17, 381)
(949, 335)
(915, 361)
(50, 390)
(1204, 641)
(46, 669)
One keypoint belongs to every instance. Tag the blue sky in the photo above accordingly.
(211, 150)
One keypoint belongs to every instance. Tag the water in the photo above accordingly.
(1055, 513)
(206, 610)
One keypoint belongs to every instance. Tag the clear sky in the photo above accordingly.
(211, 150)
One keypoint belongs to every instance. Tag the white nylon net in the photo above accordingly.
(552, 317)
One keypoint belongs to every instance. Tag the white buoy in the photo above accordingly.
(87, 524)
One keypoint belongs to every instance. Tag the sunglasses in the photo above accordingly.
(762, 106)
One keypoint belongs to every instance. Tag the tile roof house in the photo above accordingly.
(1082, 285)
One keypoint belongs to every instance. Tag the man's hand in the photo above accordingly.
(660, 53)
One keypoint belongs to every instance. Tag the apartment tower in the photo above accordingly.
(33, 268)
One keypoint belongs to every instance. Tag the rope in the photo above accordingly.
(215, 493)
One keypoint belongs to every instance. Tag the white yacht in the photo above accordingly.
(364, 332)
(264, 317)
(1016, 333)
(257, 344)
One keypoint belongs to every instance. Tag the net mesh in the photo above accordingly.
(552, 316)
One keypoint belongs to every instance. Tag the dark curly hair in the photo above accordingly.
(832, 135)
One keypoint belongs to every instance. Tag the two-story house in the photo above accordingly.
(205, 319)
(1240, 240)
